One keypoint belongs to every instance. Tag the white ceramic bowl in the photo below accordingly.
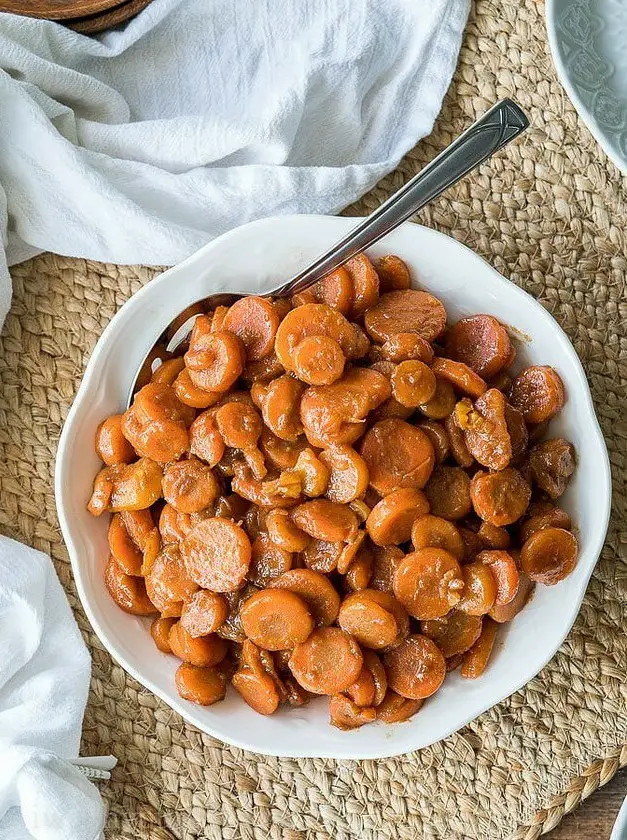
(254, 258)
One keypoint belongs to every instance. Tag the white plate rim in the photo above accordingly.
(188, 710)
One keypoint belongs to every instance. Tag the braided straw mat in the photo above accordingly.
(550, 214)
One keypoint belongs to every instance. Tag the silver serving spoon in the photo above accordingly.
(495, 129)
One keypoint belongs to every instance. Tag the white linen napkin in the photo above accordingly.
(141, 145)
(44, 679)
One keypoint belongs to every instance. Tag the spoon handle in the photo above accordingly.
(495, 129)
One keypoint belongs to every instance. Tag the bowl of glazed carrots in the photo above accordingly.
(341, 524)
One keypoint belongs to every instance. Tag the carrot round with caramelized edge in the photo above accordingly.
(476, 659)
(316, 590)
(428, 583)
(204, 686)
(390, 521)
(217, 553)
(416, 668)
(397, 455)
(430, 531)
(276, 619)
(549, 555)
(329, 661)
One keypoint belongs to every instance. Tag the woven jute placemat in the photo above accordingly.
(550, 214)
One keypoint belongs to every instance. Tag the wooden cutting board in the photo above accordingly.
(107, 19)
(56, 9)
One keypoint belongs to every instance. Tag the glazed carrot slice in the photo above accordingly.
(362, 691)
(128, 592)
(480, 342)
(549, 555)
(167, 582)
(111, 445)
(365, 282)
(276, 619)
(189, 486)
(204, 686)
(476, 659)
(453, 633)
(345, 714)
(122, 547)
(371, 623)
(397, 455)
(255, 322)
(280, 454)
(507, 612)
(405, 346)
(269, 561)
(322, 556)
(204, 613)
(486, 432)
(413, 383)
(390, 521)
(316, 591)
(325, 520)
(434, 532)
(493, 537)
(191, 395)
(359, 573)
(313, 319)
(393, 273)
(406, 310)
(456, 438)
(205, 440)
(204, 651)
(428, 583)
(174, 526)
(379, 677)
(439, 438)
(448, 492)
(160, 632)
(215, 361)
(137, 486)
(538, 391)
(329, 661)
(335, 290)
(552, 517)
(139, 524)
(348, 478)
(167, 372)
(551, 464)
(280, 407)
(157, 401)
(386, 560)
(318, 360)
(284, 533)
(442, 402)
(253, 682)
(416, 668)
(350, 551)
(480, 588)
(503, 567)
(396, 709)
(500, 498)
(217, 553)
(459, 375)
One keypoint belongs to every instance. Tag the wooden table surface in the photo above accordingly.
(595, 817)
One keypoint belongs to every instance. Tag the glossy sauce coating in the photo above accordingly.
(314, 479)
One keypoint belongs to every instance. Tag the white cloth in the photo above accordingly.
(138, 147)
(141, 145)
(44, 679)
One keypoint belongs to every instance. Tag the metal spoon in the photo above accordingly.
(495, 129)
